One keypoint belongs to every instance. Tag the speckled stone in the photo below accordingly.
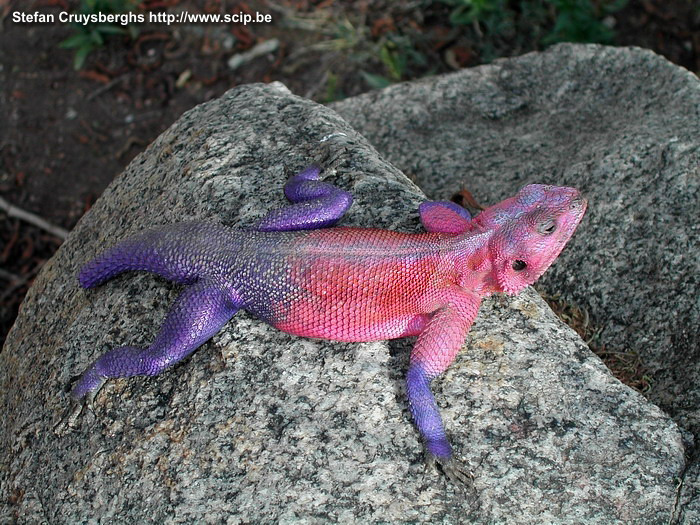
(259, 426)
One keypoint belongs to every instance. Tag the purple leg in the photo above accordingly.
(315, 204)
(426, 413)
(198, 313)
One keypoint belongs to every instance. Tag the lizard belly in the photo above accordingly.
(358, 300)
(333, 327)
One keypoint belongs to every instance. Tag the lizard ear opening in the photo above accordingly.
(444, 217)
(519, 265)
(513, 275)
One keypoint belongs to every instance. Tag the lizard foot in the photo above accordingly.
(454, 470)
(457, 474)
(69, 420)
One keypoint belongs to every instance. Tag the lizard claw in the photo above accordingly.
(69, 420)
(457, 473)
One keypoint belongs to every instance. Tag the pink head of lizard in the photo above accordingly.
(529, 232)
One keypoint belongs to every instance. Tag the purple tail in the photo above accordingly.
(161, 251)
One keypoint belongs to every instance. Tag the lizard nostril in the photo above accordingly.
(577, 203)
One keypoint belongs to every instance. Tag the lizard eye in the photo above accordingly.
(547, 227)
(519, 265)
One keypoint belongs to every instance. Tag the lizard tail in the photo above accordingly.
(159, 251)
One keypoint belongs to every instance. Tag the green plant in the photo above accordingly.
(333, 92)
(570, 20)
(582, 21)
(466, 12)
(375, 81)
(92, 35)
(397, 53)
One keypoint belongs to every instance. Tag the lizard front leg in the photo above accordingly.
(315, 204)
(435, 349)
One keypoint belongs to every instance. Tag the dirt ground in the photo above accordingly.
(65, 134)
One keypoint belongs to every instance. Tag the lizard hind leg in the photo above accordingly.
(444, 217)
(198, 313)
(315, 204)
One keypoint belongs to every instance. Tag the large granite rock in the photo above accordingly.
(259, 426)
(622, 125)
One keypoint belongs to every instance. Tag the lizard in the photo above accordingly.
(302, 276)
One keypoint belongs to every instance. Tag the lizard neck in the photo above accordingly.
(469, 258)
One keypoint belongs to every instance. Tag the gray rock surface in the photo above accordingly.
(259, 426)
(622, 125)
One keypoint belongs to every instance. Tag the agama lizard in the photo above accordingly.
(342, 284)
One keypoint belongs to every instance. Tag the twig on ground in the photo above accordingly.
(9, 276)
(104, 88)
(18, 213)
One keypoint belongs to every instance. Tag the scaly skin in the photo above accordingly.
(343, 284)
